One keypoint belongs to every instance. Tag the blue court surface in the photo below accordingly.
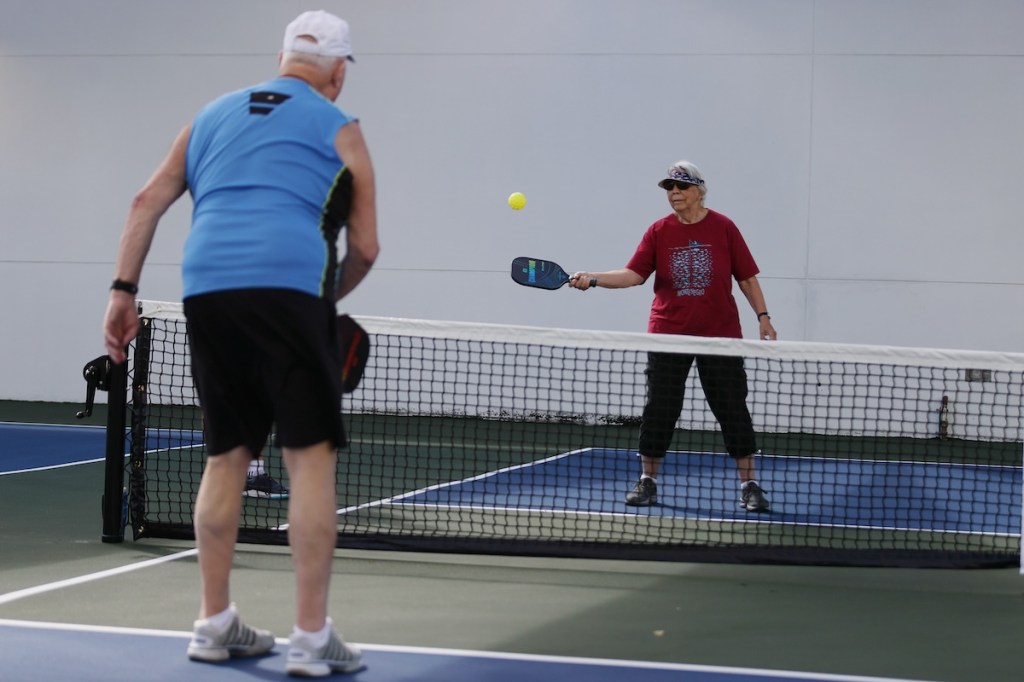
(50, 651)
(877, 494)
(31, 447)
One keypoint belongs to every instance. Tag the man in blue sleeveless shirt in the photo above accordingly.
(276, 172)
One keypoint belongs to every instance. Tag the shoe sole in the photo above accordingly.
(266, 496)
(221, 654)
(652, 502)
(218, 655)
(322, 669)
(753, 508)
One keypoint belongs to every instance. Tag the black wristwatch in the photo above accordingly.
(121, 285)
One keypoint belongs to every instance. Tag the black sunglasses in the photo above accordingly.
(676, 184)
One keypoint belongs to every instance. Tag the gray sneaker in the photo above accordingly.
(752, 497)
(643, 494)
(237, 641)
(305, 660)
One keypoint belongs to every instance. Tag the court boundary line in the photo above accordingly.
(51, 467)
(438, 486)
(52, 424)
(751, 521)
(9, 597)
(492, 655)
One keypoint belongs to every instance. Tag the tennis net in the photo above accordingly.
(482, 438)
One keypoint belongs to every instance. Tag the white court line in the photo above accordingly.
(107, 629)
(44, 425)
(90, 577)
(494, 655)
(52, 466)
(438, 486)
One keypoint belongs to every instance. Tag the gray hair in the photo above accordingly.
(321, 62)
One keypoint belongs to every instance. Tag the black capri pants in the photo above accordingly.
(725, 385)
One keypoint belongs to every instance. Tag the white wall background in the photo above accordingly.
(870, 151)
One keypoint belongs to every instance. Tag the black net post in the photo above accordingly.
(113, 500)
(139, 413)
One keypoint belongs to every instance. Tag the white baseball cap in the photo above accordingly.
(318, 32)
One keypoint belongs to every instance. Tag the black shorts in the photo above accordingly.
(262, 357)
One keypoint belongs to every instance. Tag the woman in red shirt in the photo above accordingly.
(694, 254)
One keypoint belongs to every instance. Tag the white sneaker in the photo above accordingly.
(238, 640)
(305, 660)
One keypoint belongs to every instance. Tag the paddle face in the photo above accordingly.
(534, 272)
(355, 351)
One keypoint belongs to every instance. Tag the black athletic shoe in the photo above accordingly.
(264, 485)
(752, 498)
(643, 494)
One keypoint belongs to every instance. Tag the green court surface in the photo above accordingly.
(941, 625)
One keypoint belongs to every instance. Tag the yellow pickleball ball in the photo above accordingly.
(516, 201)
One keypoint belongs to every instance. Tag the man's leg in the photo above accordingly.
(218, 508)
(316, 649)
(312, 529)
